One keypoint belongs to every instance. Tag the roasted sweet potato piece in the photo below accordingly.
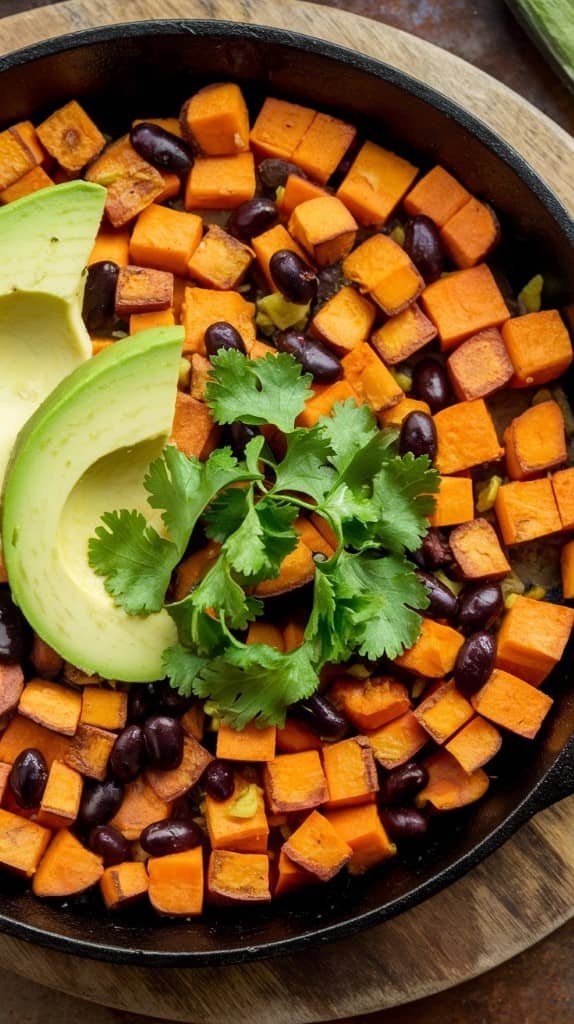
(61, 799)
(398, 741)
(317, 847)
(394, 416)
(477, 551)
(539, 347)
(362, 829)
(144, 321)
(251, 744)
(344, 321)
(323, 401)
(533, 637)
(170, 785)
(567, 570)
(220, 260)
(525, 510)
(535, 441)
(382, 268)
(16, 159)
(11, 687)
(323, 146)
(563, 487)
(229, 823)
(297, 190)
(29, 136)
(351, 772)
(375, 184)
(165, 239)
(449, 786)
(193, 721)
(141, 290)
(194, 430)
(295, 782)
(475, 744)
(89, 751)
(238, 877)
(312, 537)
(140, 807)
(45, 659)
(297, 569)
(22, 733)
(51, 705)
(471, 233)
(22, 843)
(99, 344)
(443, 712)
(176, 883)
(107, 709)
(369, 703)
(508, 701)
(66, 868)
(466, 437)
(437, 195)
(264, 633)
(290, 876)
(121, 885)
(71, 137)
(295, 737)
(464, 303)
(111, 244)
(203, 307)
(194, 567)
(434, 653)
(325, 229)
(454, 503)
(220, 182)
(132, 182)
(370, 379)
(216, 119)
(480, 366)
(33, 181)
(279, 128)
(403, 335)
(270, 242)
(200, 370)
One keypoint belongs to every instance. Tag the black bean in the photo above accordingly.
(294, 278)
(320, 715)
(314, 357)
(252, 218)
(110, 844)
(479, 605)
(168, 701)
(443, 603)
(218, 780)
(404, 824)
(162, 149)
(15, 633)
(223, 335)
(402, 783)
(100, 801)
(28, 777)
(163, 737)
(170, 836)
(273, 173)
(475, 662)
(128, 754)
(418, 435)
(100, 295)
(424, 246)
(435, 550)
(240, 434)
(430, 384)
(139, 703)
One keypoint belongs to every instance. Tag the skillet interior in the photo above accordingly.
(149, 69)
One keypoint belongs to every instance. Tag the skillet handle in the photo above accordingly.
(559, 783)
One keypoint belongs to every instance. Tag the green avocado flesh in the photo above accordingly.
(45, 241)
(83, 452)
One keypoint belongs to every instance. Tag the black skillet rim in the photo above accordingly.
(559, 778)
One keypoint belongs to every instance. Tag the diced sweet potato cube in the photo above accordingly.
(29, 136)
(107, 709)
(480, 366)
(217, 120)
(71, 137)
(437, 195)
(5, 770)
(62, 795)
(165, 239)
(464, 303)
(370, 379)
(194, 567)
(176, 883)
(16, 159)
(434, 653)
(323, 401)
(99, 344)
(279, 128)
(533, 637)
(403, 335)
(220, 182)
(454, 503)
(313, 538)
(323, 146)
(477, 551)
(200, 371)
(51, 705)
(563, 487)
(394, 416)
(398, 741)
(193, 721)
(67, 868)
(170, 785)
(351, 772)
(45, 659)
(229, 829)
(370, 703)
(141, 290)
(449, 786)
(295, 737)
(22, 733)
(295, 782)
(77, 677)
(290, 876)
(297, 190)
(238, 877)
(344, 321)
(132, 182)
(375, 184)
(171, 186)
(262, 633)
(203, 307)
(567, 570)
(144, 321)
(362, 829)
(139, 808)
(33, 181)
(382, 268)
(270, 242)
(471, 233)
(297, 569)
(317, 847)
(251, 744)
(525, 510)
(513, 704)
(539, 347)
(535, 441)
(194, 430)
(220, 260)
(111, 244)
(11, 687)
(124, 884)
(325, 229)
(466, 437)
(22, 843)
(444, 712)
(89, 751)
(475, 744)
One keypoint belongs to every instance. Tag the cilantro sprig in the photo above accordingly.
(366, 597)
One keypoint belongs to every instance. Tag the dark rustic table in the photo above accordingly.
(537, 986)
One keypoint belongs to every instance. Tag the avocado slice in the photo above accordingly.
(84, 452)
(45, 241)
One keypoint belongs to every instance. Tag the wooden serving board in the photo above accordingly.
(524, 890)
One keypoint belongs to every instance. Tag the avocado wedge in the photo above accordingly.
(83, 452)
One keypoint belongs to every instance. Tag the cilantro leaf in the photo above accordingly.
(305, 467)
(134, 560)
(403, 496)
(349, 513)
(181, 667)
(262, 539)
(270, 390)
(256, 683)
(196, 629)
(324, 632)
(219, 591)
(225, 515)
(348, 429)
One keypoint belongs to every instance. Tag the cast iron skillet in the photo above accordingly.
(148, 69)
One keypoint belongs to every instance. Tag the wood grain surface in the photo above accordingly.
(526, 889)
